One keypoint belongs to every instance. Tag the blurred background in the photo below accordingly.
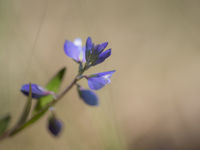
(153, 102)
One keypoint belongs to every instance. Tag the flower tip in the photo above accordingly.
(78, 42)
(89, 43)
(89, 38)
(104, 45)
(109, 51)
(113, 71)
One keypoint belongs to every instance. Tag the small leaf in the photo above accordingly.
(27, 108)
(55, 82)
(53, 85)
(4, 122)
(88, 96)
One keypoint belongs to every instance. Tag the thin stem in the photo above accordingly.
(67, 89)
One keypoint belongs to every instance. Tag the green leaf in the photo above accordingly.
(4, 122)
(27, 108)
(53, 85)
(55, 82)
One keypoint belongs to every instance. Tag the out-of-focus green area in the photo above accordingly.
(153, 102)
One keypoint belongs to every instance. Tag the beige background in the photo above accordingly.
(153, 102)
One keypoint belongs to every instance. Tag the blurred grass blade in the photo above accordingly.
(4, 122)
(29, 122)
(53, 85)
(27, 108)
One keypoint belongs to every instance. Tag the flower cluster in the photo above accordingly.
(91, 55)
(86, 56)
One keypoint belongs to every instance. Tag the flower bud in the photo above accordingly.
(88, 96)
(54, 126)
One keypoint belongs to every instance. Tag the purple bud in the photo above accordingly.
(55, 126)
(104, 55)
(89, 47)
(89, 43)
(102, 46)
(88, 96)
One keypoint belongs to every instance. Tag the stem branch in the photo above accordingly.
(37, 116)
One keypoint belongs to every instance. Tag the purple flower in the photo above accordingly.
(99, 80)
(88, 96)
(95, 54)
(75, 50)
(37, 91)
(55, 126)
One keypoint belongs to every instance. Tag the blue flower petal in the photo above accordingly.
(99, 80)
(103, 56)
(96, 47)
(102, 46)
(104, 73)
(37, 91)
(55, 126)
(89, 46)
(89, 43)
(75, 50)
(83, 59)
(89, 97)
(97, 83)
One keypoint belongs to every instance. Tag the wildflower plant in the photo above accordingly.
(86, 56)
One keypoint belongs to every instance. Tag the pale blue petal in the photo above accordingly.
(104, 73)
(75, 50)
(97, 83)
(99, 80)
